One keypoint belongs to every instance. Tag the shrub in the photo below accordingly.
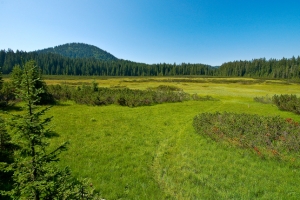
(94, 95)
(264, 100)
(287, 103)
(269, 135)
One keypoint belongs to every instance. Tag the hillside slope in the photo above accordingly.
(79, 50)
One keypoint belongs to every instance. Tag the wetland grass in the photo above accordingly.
(153, 152)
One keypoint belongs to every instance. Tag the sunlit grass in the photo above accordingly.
(206, 86)
(153, 152)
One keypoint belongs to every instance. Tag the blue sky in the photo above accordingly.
(155, 31)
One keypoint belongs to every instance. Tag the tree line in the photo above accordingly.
(55, 64)
(280, 69)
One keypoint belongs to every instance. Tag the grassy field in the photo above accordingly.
(153, 152)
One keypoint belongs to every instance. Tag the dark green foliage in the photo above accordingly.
(5, 145)
(94, 95)
(287, 102)
(280, 69)
(55, 64)
(265, 135)
(35, 174)
(80, 50)
(79, 59)
(16, 76)
(2, 102)
(7, 94)
(62, 92)
(1, 81)
(6, 156)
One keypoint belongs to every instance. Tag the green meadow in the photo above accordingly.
(153, 152)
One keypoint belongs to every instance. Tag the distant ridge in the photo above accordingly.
(79, 50)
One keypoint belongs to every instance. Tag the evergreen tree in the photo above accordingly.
(35, 174)
(6, 156)
(1, 84)
(44, 96)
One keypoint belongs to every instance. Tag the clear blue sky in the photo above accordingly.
(153, 31)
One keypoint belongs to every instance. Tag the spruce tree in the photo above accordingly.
(44, 96)
(6, 156)
(35, 173)
(5, 151)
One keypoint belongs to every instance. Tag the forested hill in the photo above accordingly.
(79, 50)
(56, 64)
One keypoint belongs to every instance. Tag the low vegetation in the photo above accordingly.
(284, 102)
(287, 102)
(266, 135)
(264, 99)
(94, 95)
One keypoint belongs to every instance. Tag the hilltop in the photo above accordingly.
(79, 50)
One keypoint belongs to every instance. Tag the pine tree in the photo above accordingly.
(35, 173)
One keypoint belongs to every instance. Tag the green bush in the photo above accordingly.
(287, 103)
(265, 135)
(94, 95)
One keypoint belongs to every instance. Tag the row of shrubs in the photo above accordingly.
(94, 95)
(284, 102)
(266, 135)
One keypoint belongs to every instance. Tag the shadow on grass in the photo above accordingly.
(10, 107)
(59, 103)
(51, 134)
